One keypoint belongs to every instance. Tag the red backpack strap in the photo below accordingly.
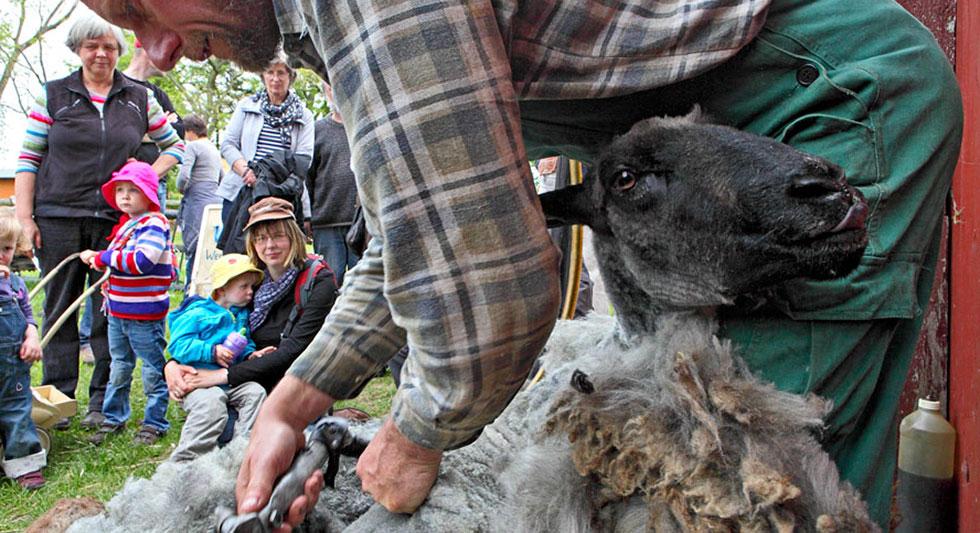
(304, 288)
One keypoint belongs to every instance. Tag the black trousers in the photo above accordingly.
(61, 237)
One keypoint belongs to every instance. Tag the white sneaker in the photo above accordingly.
(86, 355)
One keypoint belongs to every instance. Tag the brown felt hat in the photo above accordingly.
(270, 208)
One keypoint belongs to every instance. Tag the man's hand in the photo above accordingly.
(223, 356)
(30, 349)
(308, 230)
(395, 471)
(276, 437)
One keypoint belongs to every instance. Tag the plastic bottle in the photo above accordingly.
(236, 343)
(926, 492)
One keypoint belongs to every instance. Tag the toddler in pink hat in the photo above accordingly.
(139, 176)
(140, 258)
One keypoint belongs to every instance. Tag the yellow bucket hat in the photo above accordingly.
(230, 266)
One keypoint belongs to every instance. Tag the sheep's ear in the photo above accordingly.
(698, 116)
(567, 206)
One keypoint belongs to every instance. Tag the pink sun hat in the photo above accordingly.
(138, 173)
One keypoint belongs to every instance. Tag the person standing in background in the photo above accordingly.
(272, 120)
(82, 128)
(333, 191)
(197, 181)
(140, 69)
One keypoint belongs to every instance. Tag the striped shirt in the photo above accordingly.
(35, 144)
(461, 266)
(141, 260)
(271, 140)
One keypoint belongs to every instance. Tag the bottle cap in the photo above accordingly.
(929, 405)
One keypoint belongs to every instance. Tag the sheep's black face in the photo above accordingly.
(689, 214)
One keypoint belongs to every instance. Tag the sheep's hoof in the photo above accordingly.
(581, 383)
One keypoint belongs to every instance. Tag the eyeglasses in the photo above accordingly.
(263, 239)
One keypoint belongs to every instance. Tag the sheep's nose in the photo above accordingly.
(814, 186)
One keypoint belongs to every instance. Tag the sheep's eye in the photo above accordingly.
(625, 181)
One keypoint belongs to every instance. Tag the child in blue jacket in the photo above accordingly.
(197, 330)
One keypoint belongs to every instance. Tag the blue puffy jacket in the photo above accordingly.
(198, 325)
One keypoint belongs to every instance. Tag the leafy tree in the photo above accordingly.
(212, 88)
(19, 33)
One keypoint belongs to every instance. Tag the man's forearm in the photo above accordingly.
(296, 402)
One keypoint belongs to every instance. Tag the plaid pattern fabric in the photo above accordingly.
(461, 265)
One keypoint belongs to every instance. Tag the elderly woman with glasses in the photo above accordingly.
(272, 120)
(82, 128)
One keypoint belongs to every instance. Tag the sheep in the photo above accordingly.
(647, 420)
(652, 421)
(687, 216)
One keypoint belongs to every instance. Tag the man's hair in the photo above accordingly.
(297, 241)
(196, 124)
(92, 27)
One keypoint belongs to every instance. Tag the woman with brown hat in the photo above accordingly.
(288, 307)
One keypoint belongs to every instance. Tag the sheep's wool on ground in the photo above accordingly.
(676, 418)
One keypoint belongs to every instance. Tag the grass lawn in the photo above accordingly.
(77, 468)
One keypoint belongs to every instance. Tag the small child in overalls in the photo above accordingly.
(23, 456)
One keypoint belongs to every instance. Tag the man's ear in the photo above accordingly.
(567, 206)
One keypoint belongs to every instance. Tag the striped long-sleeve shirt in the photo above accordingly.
(140, 258)
(39, 121)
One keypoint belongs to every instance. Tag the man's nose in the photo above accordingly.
(163, 47)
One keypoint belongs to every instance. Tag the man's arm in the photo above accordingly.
(469, 272)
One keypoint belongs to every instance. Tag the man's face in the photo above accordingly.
(244, 31)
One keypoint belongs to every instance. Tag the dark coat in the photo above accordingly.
(268, 370)
(84, 148)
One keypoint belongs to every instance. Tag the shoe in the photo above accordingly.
(92, 420)
(104, 431)
(148, 435)
(31, 480)
(62, 424)
(86, 355)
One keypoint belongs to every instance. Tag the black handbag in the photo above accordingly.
(274, 176)
(357, 236)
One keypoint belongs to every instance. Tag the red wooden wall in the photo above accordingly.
(947, 364)
(964, 382)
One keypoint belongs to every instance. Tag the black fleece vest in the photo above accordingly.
(84, 149)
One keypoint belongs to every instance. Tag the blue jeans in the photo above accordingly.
(85, 324)
(129, 339)
(162, 195)
(17, 431)
(332, 245)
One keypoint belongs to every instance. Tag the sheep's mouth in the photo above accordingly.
(854, 219)
(850, 229)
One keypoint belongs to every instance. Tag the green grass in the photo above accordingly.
(77, 468)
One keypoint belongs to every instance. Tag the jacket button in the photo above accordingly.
(807, 74)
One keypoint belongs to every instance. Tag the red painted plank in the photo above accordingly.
(965, 273)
